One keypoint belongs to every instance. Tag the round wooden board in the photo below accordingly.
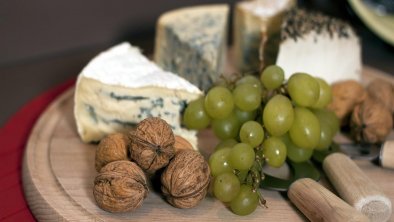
(58, 174)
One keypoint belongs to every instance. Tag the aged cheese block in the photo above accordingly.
(251, 19)
(319, 45)
(191, 42)
(120, 87)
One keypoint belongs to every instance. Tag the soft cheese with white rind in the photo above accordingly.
(191, 42)
(120, 87)
(319, 45)
(255, 22)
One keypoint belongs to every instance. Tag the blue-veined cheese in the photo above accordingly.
(255, 22)
(120, 87)
(191, 42)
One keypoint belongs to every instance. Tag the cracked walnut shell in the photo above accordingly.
(111, 148)
(120, 186)
(185, 180)
(152, 144)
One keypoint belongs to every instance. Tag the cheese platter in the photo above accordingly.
(106, 150)
(58, 174)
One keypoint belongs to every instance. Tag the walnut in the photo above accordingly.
(182, 144)
(345, 96)
(120, 186)
(152, 144)
(111, 148)
(383, 92)
(185, 180)
(371, 122)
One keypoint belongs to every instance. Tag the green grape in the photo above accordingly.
(297, 154)
(329, 125)
(251, 133)
(249, 79)
(326, 137)
(226, 187)
(325, 94)
(303, 89)
(195, 116)
(244, 116)
(274, 151)
(246, 97)
(219, 162)
(242, 156)
(226, 128)
(278, 115)
(228, 143)
(329, 118)
(272, 77)
(219, 102)
(294, 153)
(245, 202)
(242, 175)
(305, 131)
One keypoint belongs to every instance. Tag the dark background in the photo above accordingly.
(46, 42)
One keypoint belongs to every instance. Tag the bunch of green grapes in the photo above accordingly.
(260, 121)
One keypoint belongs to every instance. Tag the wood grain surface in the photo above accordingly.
(356, 188)
(387, 154)
(58, 174)
(319, 204)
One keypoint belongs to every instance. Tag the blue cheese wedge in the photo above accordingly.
(120, 87)
(191, 42)
(320, 45)
(256, 21)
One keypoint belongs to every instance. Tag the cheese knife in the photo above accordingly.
(356, 187)
(362, 194)
(381, 154)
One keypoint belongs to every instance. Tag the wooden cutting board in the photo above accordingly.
(58, 175)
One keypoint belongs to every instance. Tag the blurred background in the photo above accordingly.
(44, 42)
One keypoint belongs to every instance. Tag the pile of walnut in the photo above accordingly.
(124, 161)
(367, 110)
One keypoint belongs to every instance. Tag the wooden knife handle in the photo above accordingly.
(353, 185)
(319, 204)
(386, 157)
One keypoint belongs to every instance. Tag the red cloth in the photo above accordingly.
(13, 138)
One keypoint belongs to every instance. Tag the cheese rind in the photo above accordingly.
(124, 65)
(192, 43)
(317, 44)
(251, 19)
(120, 87)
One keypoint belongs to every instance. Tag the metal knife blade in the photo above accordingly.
(381, 154)
(361, 151)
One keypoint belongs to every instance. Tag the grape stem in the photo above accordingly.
(271, 93)
(254, 176)
(262, 201)
(259, 176)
